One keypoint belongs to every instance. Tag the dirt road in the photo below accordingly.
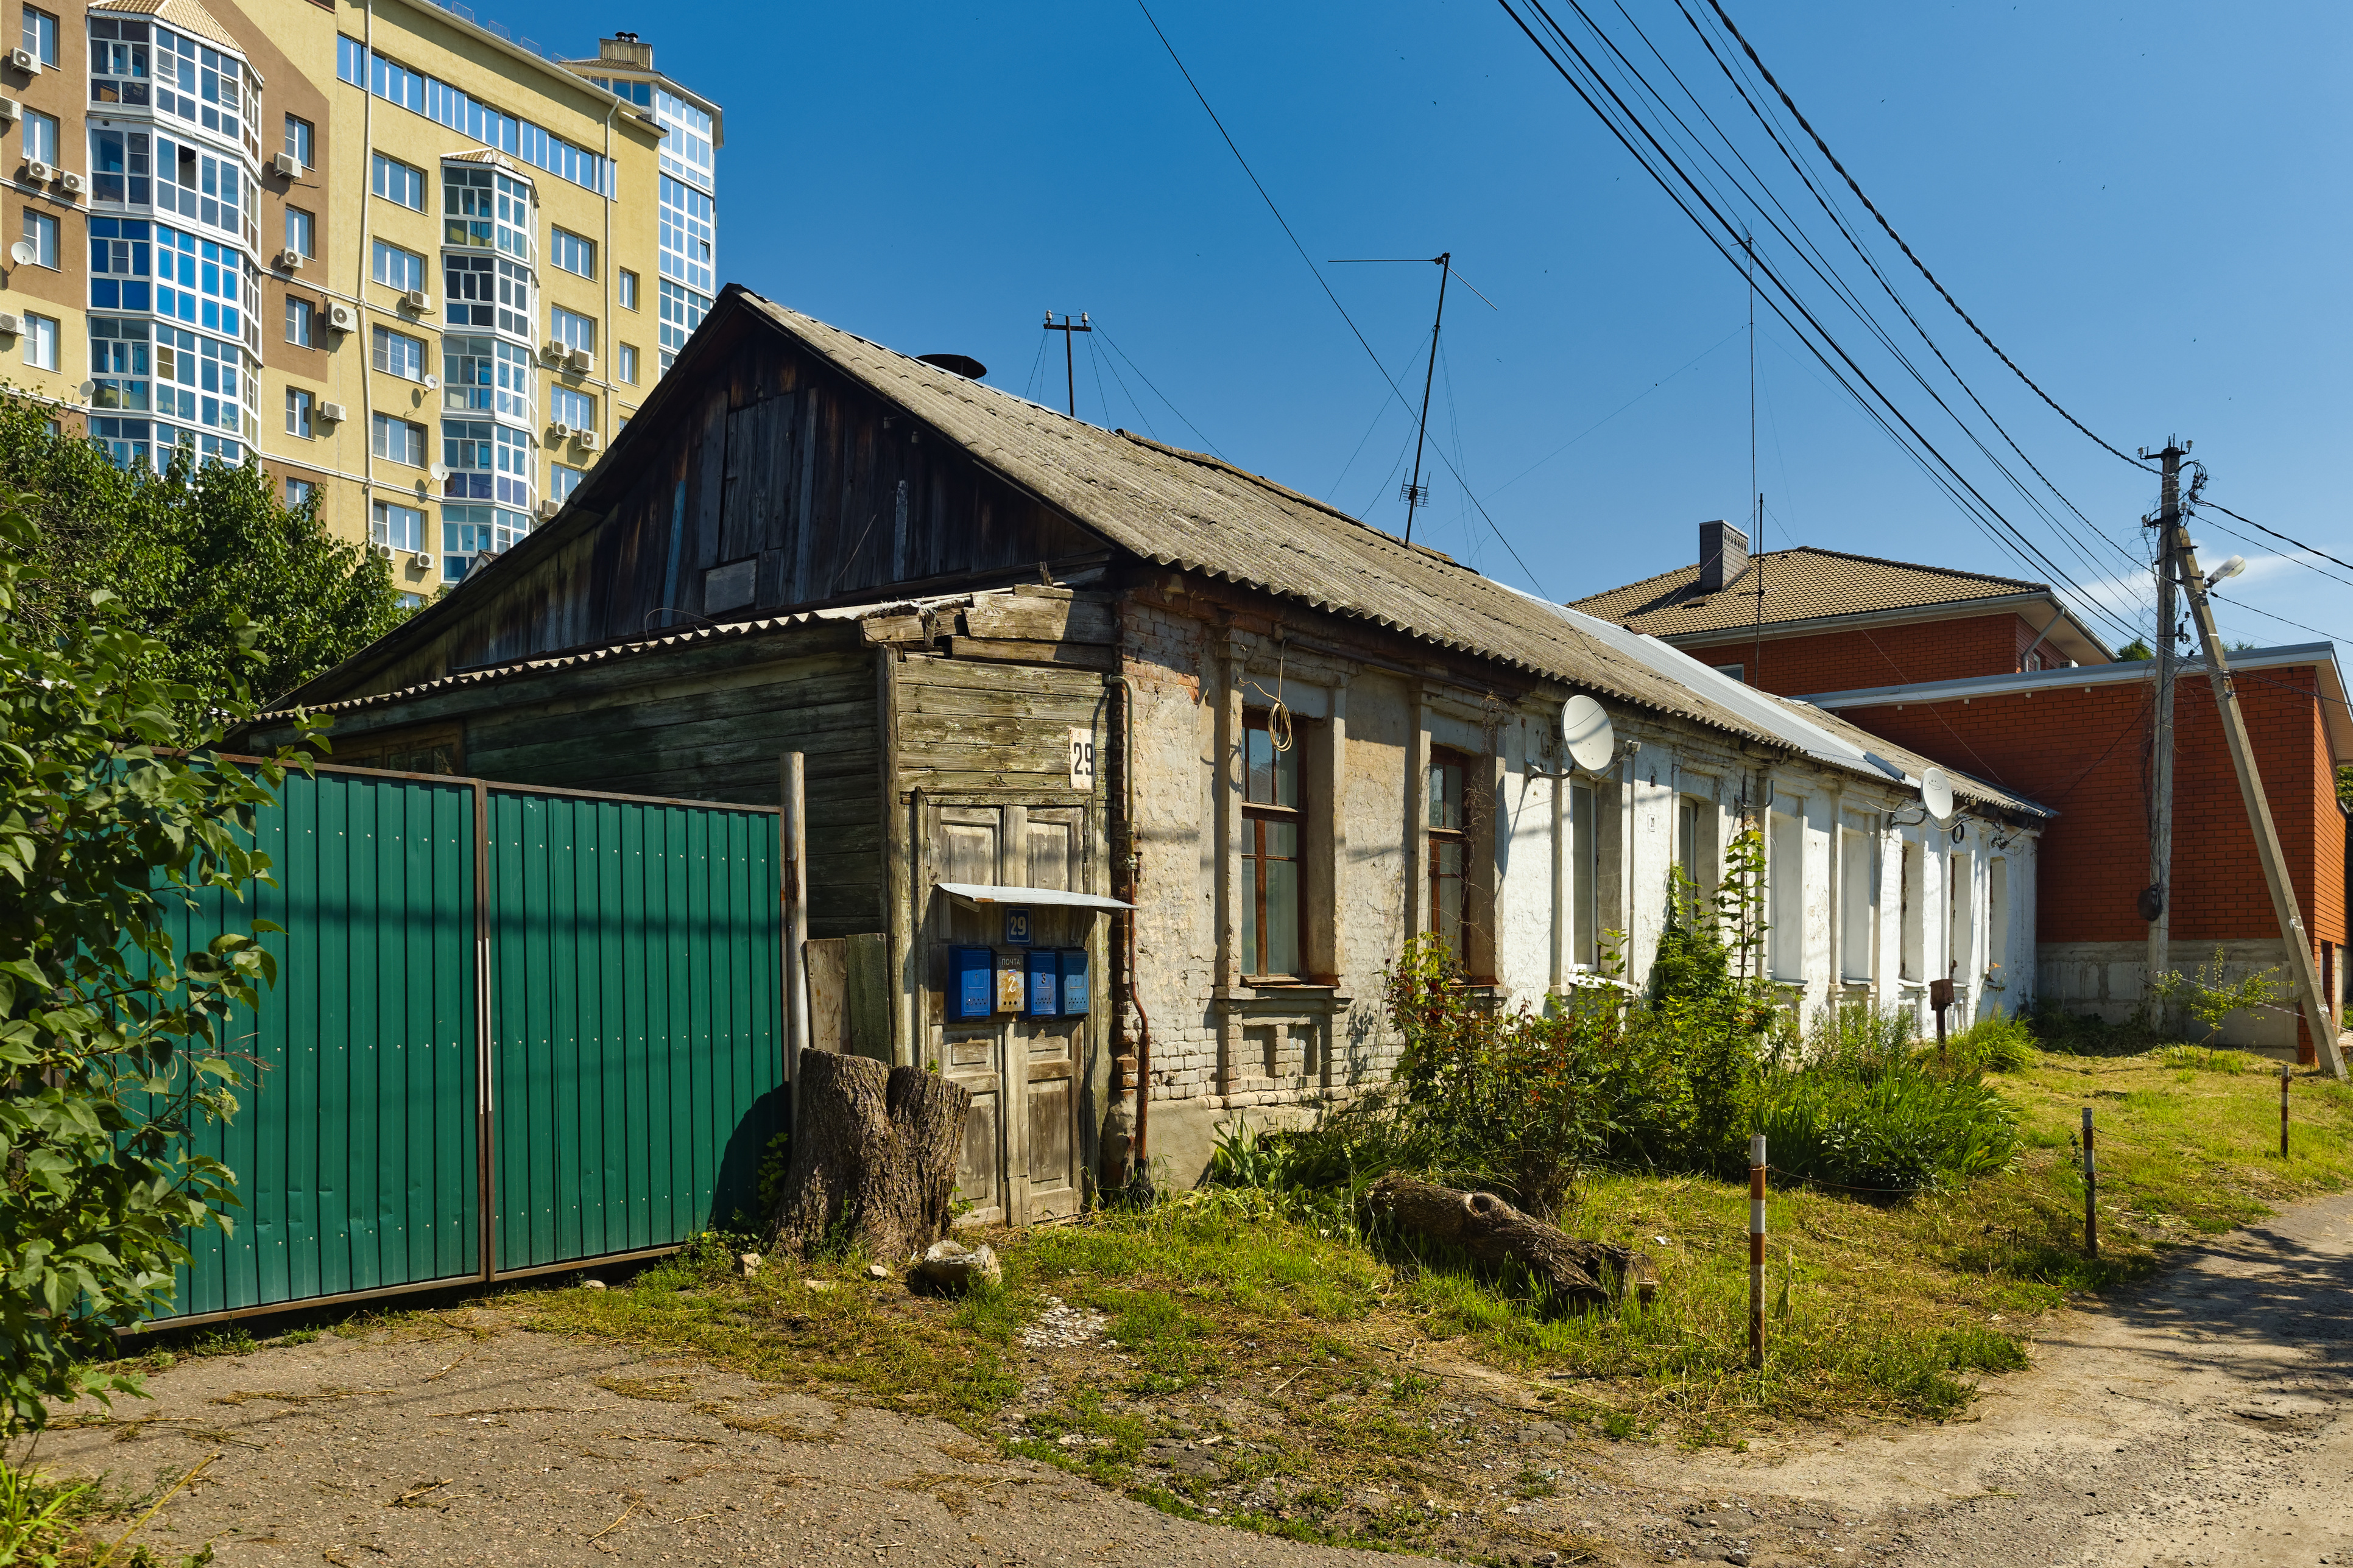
(2198, 1421)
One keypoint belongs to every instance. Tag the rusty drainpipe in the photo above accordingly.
(1132, 864)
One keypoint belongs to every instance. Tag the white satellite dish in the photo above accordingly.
(22, 253)
(1937, 795)
(1587, 730)
(439, 473)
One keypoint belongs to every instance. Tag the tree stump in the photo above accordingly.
(1579, 1273)
(874, 1158)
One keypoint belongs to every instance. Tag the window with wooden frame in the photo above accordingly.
(1273, 822)
(1450, 850)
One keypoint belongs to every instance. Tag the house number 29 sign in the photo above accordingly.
(1083, 759)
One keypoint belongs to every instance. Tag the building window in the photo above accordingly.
(398, 528)
(301, 141)
(487, 292)
(1858, 898)
(628, 290)
(571, 252)
(562, 479)
(396, 181)
(1584, 878)
(626, 363)
(1735, 671)
(1957, 909)
(301, 321)
(485, 375)
(577, 409)
(299, 493)
(1271, 819)
(397, 353)
(485, 210)
(682, 310)
(398, 269)
(469, 534)
(1998, 922)
(1786, 886)
(41, 234)
(301, 233)
(398, 441)
(574, 331)
(40, 35)
(1449, 849)
(40, 138)
(298, 413)
(408, 601)
(1695, 850)
(686, 231)
(1912, 962)
(40, 341)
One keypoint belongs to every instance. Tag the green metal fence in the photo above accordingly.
(513, 1029)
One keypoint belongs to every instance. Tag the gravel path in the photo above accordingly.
(2198, 1420)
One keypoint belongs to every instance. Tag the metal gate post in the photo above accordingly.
(792, 826)
(485, 1181)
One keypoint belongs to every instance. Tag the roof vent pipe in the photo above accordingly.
(1722, 556)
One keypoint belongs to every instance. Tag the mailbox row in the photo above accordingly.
(1036, 983)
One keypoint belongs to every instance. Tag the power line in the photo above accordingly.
(2276, 534)
(1320, 282)
(2283, 620)
(1717, 7)
(1113, 343)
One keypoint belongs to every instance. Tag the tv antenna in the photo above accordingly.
(1416, 493)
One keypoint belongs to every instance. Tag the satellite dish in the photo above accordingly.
(961, 364)
(1587, 730)
(432, 384)
(22, 253)
(439, 473)
(1937, 795)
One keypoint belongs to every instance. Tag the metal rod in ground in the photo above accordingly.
(1757, 1250)
(2091, 1192)
(2285, 1070)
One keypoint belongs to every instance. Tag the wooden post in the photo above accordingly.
(2091, 1193)
(792, 825)
(2318, 1017)
(1757, 1250)
(2285, 1071)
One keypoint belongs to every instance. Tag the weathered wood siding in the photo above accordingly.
(771, 483)
(974, 726)
(707, 723)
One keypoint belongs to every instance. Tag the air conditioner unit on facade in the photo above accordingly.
(382, 550)
(550, 508)
(333, 412)
(588, 440)
(71, 183)
(285, 165)
(417, 300)
(552, 348)
(24, 61)
(580, 361)
(10, 324)
(342, 318)
(10, 108)
(290, 260)
(40, 173)
(559, 431)
(422, 560)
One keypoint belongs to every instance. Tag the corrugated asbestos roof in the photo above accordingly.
(1801, 584)
(1185, 509)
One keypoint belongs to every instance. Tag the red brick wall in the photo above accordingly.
(1878, 655)
(2085, 754)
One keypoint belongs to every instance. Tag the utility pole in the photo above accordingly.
(2317, 1017)
(2154, 903)
(1069, 366)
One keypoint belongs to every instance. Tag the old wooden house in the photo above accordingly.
(1117, 754)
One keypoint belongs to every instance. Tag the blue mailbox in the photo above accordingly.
(972, 984)
(1045, 986)
(1073, 965)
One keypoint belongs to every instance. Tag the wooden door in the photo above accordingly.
(1020, 1160)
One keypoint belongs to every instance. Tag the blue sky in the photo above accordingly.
(2138, 203)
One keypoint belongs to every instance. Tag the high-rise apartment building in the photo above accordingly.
(409, 261)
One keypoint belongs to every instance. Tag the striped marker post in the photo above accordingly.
(1757, 1250)
(2283, 1076)
(2091, 1192)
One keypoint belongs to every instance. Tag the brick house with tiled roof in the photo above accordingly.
(1793, 621)
(1995, 676)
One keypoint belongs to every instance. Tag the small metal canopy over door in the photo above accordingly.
(1022, 1060)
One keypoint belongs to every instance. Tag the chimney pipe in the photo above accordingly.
(1722, 556)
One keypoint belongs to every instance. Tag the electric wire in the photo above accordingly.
(1941, 471)
(1113, 343)
(2276, 534)
(1122, 383)
(1320, 282)
(1613, 414)
(2243, 605)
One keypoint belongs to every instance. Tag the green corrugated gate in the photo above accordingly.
(621, 957)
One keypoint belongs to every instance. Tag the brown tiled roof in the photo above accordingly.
(1801, 584)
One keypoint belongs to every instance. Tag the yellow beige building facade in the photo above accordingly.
(404, 259)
